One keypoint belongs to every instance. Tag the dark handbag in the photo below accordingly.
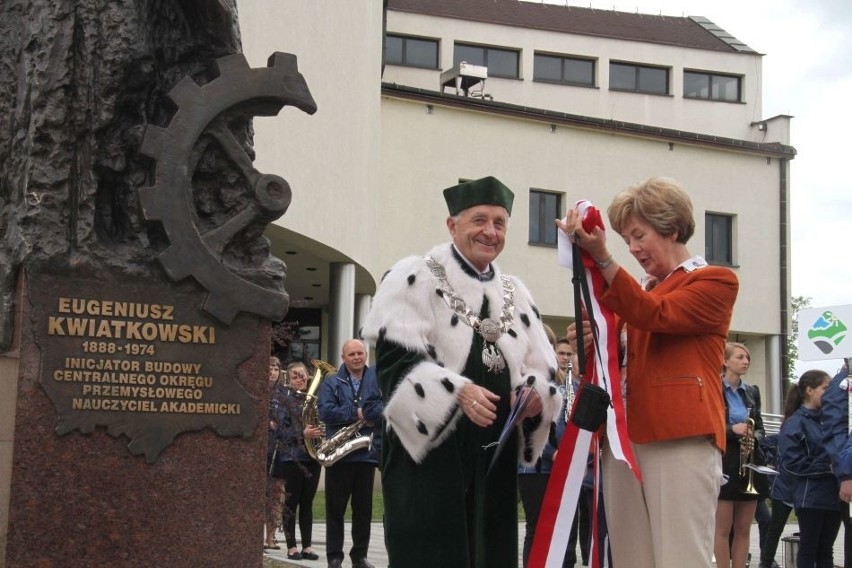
(590, 407)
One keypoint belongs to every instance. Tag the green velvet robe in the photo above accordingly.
(446, 512)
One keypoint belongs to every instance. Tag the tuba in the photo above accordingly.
(345, 441)
(747, 457)
(309, 411)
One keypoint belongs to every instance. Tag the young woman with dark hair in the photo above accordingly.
(805, 462)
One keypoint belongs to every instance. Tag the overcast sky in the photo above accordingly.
(807, 73)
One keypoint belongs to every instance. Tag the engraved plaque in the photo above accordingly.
(143, 360)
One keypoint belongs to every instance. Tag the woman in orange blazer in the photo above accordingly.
(676, 324)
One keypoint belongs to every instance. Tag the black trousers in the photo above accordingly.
(582, 527)
(847, 535)
(777, 520)
(300, 486)
(762, 516)
(345, 481)
(817, 531)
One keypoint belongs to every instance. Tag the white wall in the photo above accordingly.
(330, 159)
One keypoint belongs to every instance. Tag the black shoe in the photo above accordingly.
(336, 563)
(362, 563)
(310, 555)
(294, 555)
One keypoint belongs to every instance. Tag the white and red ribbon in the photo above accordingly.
(602, 369)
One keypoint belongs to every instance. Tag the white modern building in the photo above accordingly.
(560, 103)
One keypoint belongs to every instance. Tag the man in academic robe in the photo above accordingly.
(457, 344)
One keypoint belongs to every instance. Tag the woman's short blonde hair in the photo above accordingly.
(731, 345)
(661, 202)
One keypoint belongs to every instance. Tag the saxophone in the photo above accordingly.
(345, 441)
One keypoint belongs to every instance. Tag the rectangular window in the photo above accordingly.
(299, 336)
(500, 62)
(411, 51)
(712, 86)
(638, 78)
(563, 69)
(719, 239)
(545, 206)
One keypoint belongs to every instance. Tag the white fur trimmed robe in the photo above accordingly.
(409, 311)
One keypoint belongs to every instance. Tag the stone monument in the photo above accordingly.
(136, 287)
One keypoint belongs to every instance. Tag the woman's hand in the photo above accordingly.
(740, 429)
(594, 242)
(311, 432)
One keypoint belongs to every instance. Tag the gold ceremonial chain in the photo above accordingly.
(489, 329)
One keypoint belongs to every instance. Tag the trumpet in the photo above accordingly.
(747, 457)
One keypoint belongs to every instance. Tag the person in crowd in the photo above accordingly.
(836, 425)
(762, 515)
(551, 336)
(804, 458)
(675, 325)
(274, 447)
(301, 472)
(351, 398)
(457, 341)
(844, 465)
(744, 429)
(532, 481)
(780, 497)
(564, 358)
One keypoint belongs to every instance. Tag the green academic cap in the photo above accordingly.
(486, 191)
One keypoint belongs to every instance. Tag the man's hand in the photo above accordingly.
(846, 491)
(479, 404)
(533, 407)
(571, 334)
(361, 417)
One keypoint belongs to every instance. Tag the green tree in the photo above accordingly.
(796, 303)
